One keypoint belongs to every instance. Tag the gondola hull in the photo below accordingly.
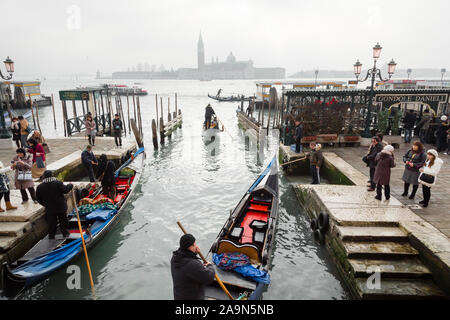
(250, 230)
(230, 99)
(34, 267)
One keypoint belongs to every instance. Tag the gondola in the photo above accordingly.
(49, 255)
(230, 98)
(249, 230)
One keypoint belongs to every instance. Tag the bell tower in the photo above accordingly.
(200, 53)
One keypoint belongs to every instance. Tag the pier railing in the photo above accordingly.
(76, 125)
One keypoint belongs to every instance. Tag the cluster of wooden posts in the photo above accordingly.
(102, 110)
(275, 113)
(174, 121)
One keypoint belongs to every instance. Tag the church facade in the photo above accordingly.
(231, 68)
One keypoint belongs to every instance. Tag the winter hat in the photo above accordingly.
(433, 152)
(47, 174)
(318, 147)
(444, 118)
(186, 241)
(389, 148)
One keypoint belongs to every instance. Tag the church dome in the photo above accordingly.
(231, 58)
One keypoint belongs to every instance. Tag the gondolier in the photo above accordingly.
(189, 274)
(50, 194)
(209, 112)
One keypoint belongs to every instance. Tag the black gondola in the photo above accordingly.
(250, 230)
(231, 98)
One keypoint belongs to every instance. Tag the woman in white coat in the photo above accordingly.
(429, 174)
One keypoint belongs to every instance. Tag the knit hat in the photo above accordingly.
(186, 241)
(433, 152)
(388, 148)
(47, 174)
(318, 147)
(444, 118)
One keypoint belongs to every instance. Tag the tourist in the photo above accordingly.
(414, 159)
(408, 125)
(51, 195)
(117, 130)
(383, 142)
(209, 111)
(189, 274)
(24, 130)
(374, 149)
(428, 175)
(4, 188)
(298, 136)
(22, 163)
(315, 161)
(15, 130)
(441, 135)
(88, 160)
(101, 166)
(424, 125)
(37, 136)
(448, 143)
(38, 152)
(384, 162)
(109, 180)
(91, 129)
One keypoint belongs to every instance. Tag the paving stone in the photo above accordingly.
(14, 228)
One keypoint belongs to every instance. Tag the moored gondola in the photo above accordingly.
(237, 98)
(99, 215)
(246, 240)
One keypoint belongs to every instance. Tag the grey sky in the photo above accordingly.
(42, 36)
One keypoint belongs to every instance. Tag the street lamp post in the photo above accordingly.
(443, 71)
(408, 71)
(372, 73)
(9, 64)
(316, 73)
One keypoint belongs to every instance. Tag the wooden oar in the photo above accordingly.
(223, 126)
(286, 163)
(74, 202)
(205, 261)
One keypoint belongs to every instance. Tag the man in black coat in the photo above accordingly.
(88, 160)
(298, 136)
(117, 130)
(189, 274)
(375, 148)
(50, 194)
(408, 124)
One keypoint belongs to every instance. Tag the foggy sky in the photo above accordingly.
(45, 38)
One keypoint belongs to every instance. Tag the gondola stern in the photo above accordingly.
(13, 284)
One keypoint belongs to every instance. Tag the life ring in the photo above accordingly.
(313, 224)
(318, 235)
(323, 221)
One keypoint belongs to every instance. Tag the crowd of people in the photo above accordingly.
(421, 168)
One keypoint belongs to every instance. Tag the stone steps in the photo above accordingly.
(352, 233)
(380, 249)
(411, 268)
(399, 289)
(14, 228)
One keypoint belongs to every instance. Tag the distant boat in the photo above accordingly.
(232, 98)
(123, 90)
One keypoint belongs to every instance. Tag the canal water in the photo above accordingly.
(183, 181)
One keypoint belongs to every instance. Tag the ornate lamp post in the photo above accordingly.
(316, 73)
(372, 74)
(443, 71)
(9, 65)
(408, 71)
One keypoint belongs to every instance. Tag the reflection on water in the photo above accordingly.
(184, 181)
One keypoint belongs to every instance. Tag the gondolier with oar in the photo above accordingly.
(189, 273)
(209, 111)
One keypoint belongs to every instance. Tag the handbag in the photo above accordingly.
(428, 178)
(24, 176)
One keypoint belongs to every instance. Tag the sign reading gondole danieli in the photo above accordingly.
(424, 98)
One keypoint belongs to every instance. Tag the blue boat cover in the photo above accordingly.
(101, 214)
(240, 263)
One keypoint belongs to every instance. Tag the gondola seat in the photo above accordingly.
(258, 225)
(258, 238)
(250, 250)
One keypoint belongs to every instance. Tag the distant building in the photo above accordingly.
(231, 68)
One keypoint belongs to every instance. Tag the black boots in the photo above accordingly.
(413, 193)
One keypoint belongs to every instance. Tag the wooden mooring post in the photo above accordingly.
(174, 121)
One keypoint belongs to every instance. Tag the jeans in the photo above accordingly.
(408, 135)
(315, 174)
(422, 135)
(90, 172)
(298, 146)
(24, 194)
(387, 191)
(372, 174)
(6, 194)
(52, 220)
(426, 194)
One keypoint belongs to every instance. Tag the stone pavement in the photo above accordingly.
(438, 211)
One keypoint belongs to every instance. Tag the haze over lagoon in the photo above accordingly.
(81, 37)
